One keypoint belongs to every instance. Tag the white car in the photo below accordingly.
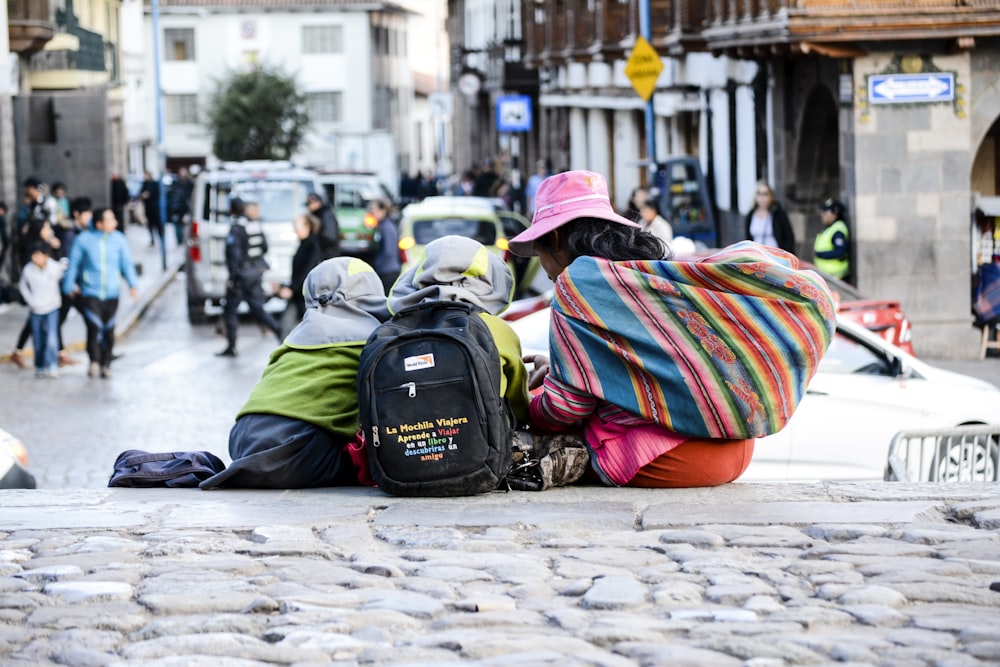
(865, 391)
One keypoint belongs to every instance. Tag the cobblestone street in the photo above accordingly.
(746, 574)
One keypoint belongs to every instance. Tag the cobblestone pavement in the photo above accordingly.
(745, 574)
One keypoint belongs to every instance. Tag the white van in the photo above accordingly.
(281, 189)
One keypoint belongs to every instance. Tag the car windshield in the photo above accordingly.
(847, 355)
(351, 194)
(279, 200)
(425, 231)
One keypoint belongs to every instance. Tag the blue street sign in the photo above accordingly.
(514, 113)
(911, 88)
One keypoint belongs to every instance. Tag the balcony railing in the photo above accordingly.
(561, 30)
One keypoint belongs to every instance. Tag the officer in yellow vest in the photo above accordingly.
(831, 249)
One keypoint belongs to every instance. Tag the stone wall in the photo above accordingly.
(71, 146)
(912, 206)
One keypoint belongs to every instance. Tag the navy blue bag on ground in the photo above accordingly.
(174, 469)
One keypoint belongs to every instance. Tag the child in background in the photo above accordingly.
(40, 288)
(295, 429)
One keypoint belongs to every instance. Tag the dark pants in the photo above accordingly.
(253, 294)
(272, 452)
(99, 315)
(155, 225)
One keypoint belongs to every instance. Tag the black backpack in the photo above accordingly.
(431, 412)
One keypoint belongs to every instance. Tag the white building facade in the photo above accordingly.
(349, 59)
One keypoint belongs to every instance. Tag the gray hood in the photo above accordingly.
(455, 268)
(344, 303)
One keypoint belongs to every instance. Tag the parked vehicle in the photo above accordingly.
(865, 391)
(684, 200)
(279, 187)
(14, 464)
(883, 316)
(478, 218)
(348, 193)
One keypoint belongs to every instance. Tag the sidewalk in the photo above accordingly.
(152, 278)
(745, 574)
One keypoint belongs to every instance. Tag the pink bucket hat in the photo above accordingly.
(562, 198)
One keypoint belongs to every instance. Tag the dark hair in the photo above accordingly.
(32, 182)
(653, 204)
(39, 246)
(594, 237)
(99, 215)
(834, 205)
(57, 185)
(80, 205)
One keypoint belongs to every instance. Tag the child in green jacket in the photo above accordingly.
(295, 429)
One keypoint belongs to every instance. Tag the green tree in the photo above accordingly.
(257, 115)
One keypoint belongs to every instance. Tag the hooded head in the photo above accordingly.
(344, 303)
(455, 268)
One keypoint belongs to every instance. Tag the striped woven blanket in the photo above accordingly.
(720, 348)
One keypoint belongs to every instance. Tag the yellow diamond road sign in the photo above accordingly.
(643, 68)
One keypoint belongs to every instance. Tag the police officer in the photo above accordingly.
(831, 249)
(246, 246)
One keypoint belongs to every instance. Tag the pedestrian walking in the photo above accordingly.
(179, 202)
(39, 286)
(119, 197)
(307, 256)
(150, 196)
(36, 221)
(542, 172)
(329, 228)
(5, 242)
(387, 262)
(98, 262)
(246, 247)
(81, 217)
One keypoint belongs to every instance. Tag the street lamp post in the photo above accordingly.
(644, 29)
(160, 158)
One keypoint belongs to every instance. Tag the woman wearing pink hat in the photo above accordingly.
(669, 370)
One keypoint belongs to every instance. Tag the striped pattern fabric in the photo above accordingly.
(719, 348)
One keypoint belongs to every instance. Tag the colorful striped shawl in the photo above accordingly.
(719, 348)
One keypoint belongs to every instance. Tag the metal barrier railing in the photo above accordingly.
(960, 454)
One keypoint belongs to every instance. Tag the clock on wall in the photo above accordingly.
(248, 28)
(469, 83)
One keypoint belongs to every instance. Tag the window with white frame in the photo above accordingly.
(178, 44)
(322, 39)
(325, 107)
(180, 109)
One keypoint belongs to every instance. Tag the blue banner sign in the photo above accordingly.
(911, 88)
(514, 113)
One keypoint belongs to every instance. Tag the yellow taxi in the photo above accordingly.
(479, 218)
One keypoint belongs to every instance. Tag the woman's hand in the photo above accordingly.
(540, 368)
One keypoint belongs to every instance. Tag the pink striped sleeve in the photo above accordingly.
(559, 405)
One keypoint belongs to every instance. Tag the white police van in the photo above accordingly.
(279, 187)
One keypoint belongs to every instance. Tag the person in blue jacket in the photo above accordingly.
(99, 260)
